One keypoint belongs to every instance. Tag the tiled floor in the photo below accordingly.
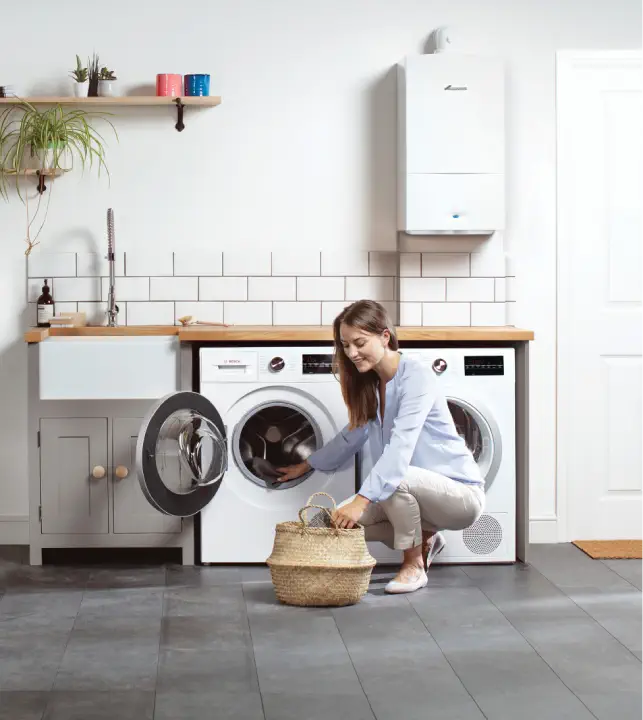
(560, 640)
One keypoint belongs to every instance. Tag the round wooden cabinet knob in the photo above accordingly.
(98, 472)
(121, 472)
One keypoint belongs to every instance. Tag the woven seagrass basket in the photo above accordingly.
(319, 566)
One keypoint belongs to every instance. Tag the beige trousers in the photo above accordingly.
(425, 500)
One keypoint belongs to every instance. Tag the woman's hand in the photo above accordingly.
(349, 514)
(291, 472)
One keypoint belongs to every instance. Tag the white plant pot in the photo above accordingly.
(44, 159)
(81, 89)
(107, 88)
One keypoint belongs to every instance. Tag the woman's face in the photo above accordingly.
(362, 348)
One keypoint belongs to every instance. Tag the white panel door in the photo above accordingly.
(600, 198)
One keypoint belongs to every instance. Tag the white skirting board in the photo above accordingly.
(14, 530)
(543, 530)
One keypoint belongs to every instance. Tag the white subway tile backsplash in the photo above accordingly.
(446, 314)
(247, 313)
(445, 264)
(488, 262)
(272, 288)
(383, 264)
(248, 262)
(410, 264)
(370, 288)
(175, 288)
(501, 289)
(511, 289)
(310, 288)
(198, 262)
(128, 288)
(296, 313)
(206, 311)
(65, 307)
(96, 312)
(470, 289)
(488, 314)
(34, 289)
(411, 314)
(97, 265)
(150, 264)
(223, 288)
(300, 262)
(45, 265)
(422, 289)
(77, 289)
(330, 310)
(150, 313)
(342, 262)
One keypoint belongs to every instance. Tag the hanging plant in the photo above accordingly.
(49, 140)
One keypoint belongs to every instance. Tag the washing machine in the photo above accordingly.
(215, 452)
(479, 384)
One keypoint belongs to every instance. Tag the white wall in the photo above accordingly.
(300, 154)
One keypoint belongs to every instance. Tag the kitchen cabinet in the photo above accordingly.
(73, 475)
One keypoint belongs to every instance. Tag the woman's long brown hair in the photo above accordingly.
(360, 389)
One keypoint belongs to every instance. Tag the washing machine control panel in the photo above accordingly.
(321, 364)
(277, 364)
(484, 365)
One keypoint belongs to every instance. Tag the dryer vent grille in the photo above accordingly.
(484, 536)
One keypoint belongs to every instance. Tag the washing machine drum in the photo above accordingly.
(181, 454)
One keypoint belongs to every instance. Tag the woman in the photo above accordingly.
(424, 478)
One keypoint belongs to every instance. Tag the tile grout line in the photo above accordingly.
(527, 639)
(252, 648)
(466, 689)
(621, 576)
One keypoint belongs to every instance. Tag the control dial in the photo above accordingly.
(277, 364)
(439, 366)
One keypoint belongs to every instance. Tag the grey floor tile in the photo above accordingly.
(132, 705)
(52, 603)
(261, 600)
(111, 653)
(22, 705)
(566, 566)
(211, 703)
(27, 578)
(225, 602)
(126, 602)
(255, 574)
(491, 657)
(316, 706)
(31, 649)
(399, 664)
(201, 576)
(107, 578)
(628, 569)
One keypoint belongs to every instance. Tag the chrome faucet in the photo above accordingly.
(112, 307)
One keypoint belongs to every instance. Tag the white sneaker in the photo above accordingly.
(395, 587)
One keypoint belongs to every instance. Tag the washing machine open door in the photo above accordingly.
(181, 453)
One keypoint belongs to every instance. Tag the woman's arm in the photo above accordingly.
(338, 450)
(417, 395)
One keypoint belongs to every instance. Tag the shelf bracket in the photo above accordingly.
(41, 182)
(179, 115)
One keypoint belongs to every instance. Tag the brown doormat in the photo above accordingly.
(611, 549)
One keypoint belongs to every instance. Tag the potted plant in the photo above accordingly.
(81, 77)
(48, 141)
(106, 83)
(94, 72)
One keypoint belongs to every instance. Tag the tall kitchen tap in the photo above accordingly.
(112, 307)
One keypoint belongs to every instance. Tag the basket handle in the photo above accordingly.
(304, 518)
(321, 494)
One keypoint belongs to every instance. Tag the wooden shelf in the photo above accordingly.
(54, 172)
(133, 100)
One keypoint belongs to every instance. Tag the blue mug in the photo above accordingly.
(196, 85)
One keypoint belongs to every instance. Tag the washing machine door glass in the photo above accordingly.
(181, 454)
(480, 433)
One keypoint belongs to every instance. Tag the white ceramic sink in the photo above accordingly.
(84, 368)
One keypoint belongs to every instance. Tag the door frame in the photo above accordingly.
(568, 63)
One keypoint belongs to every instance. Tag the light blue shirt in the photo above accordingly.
(417, 429)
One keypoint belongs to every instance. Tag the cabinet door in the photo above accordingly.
(73, 456)
(132, 512)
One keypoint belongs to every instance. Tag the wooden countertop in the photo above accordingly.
(261, 333)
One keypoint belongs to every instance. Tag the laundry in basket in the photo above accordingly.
(319, 566)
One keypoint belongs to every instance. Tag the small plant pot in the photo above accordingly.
(81, 89)
(107, 88)
(45, 159)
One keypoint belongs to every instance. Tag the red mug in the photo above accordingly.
(169, 84)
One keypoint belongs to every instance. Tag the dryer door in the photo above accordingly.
(181, 453)
(478, 429)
